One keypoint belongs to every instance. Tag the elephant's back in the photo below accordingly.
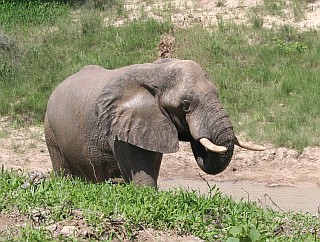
(87, 81)
(71, 106)
(80, 89)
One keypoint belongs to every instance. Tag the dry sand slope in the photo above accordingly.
(210, 12)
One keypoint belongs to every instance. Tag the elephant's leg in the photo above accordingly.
(137, 165)
(102, 166)
(59, 162)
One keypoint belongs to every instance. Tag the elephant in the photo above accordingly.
(102, 124)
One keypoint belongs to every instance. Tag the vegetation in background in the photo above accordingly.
(268, 78)
(42, 56)
(130, 208)
(280, 8)
(31, 12)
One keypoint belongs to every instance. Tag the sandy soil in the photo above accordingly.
(185, 13)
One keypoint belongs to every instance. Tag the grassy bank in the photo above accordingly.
(119, 211)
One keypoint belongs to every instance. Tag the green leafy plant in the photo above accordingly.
(290, 48)
(242, 233)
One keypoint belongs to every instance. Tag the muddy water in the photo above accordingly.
(279, 198)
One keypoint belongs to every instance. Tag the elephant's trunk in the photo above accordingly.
(216, 127)
(213, 162)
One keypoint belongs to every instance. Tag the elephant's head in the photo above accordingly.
(153, 106)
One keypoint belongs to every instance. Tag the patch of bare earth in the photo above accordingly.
(23, 148)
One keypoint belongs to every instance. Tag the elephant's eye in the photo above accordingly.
(185, 104)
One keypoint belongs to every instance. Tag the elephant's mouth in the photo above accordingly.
(213, 158)
(212, 162)
(200, 153)
(215, 162)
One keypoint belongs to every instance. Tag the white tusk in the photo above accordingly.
(212, 147)
(248, 146)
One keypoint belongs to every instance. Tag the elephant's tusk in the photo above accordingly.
(212, 147)
(248, 146)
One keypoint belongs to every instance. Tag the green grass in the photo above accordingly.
(281, 9)
(269, 80)
(31, 12)
(209, 217)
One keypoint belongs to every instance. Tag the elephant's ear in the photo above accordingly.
(135, 117)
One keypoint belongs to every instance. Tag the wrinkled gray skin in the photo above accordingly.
(109, 123)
